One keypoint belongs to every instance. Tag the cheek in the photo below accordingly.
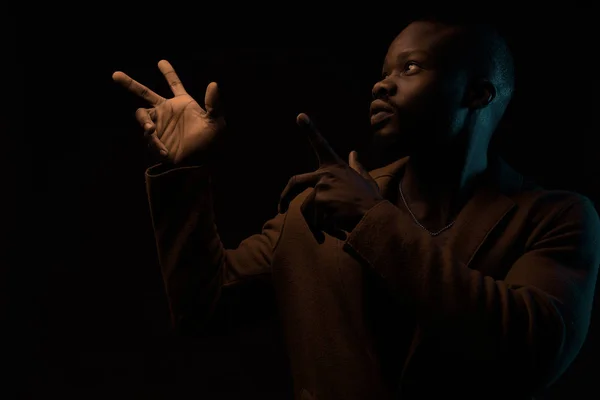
(457, 121)
(417, 97)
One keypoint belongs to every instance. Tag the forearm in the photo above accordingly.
(190, 252)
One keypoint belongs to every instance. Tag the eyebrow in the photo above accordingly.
(409, 53)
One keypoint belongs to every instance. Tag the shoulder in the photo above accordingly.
(560, 216)
(555, 203)
(546, 205)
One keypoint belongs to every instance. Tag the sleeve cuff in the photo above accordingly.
(162, 169)
(165, 183)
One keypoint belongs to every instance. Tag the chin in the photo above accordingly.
(387, 145)
(385, 132)
(392, 135)
(387, 128)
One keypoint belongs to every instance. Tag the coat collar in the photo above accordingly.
(491, 201)
(500, 174)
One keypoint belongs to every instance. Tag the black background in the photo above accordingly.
(86, 313)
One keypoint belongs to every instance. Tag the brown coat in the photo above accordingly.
(496, 308)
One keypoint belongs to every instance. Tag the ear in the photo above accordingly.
(480, 93)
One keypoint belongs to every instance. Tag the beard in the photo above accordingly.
(409, 135)
(399, 137)
(383, 149)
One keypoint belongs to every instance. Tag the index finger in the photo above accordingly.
(137, 88)
(325, 153)
(171, 77)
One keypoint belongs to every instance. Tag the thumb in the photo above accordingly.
(357, 166)
(212, 100)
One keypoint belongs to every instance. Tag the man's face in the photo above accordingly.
(418, 101)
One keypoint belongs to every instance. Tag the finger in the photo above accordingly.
(356, 165)
(137, 88)
(323, 150)
(296, 185)
(171, 77)
(144, 119)
(156, 145)
(212, 100)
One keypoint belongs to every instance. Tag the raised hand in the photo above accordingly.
(177, 128)
(343, 192)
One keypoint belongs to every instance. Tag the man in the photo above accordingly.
(441, 271)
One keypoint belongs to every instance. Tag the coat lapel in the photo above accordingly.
(484, 211)
(489, 205)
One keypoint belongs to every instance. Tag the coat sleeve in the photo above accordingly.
(524, 330)
(195, 267)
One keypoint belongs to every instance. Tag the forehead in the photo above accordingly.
(430, 37)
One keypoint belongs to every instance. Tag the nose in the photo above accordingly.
(383, 89)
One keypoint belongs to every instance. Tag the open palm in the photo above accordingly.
(178, 128)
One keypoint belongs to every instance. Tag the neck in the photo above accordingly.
(439, 181)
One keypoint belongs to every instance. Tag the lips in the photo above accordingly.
(380, 111)
(380, 117)
(381, 106)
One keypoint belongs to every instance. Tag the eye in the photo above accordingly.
(411, 68)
